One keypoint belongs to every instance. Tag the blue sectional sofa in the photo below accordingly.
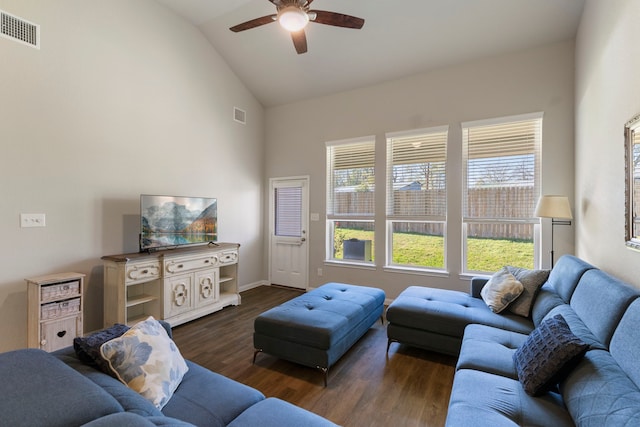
(57, 389)
(603, 389)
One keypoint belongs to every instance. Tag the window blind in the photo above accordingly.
(501, 167)
(416, 174)
(351, 178)
(288, 211)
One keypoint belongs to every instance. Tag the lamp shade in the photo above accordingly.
(553, 207)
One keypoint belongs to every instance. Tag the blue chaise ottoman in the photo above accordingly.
(318, 327)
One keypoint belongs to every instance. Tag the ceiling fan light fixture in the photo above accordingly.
(292, 18)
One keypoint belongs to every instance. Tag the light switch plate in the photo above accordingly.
(32, 220)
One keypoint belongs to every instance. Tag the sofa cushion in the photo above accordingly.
(546, 300)
(566, 274)
(501, 290)
(448, 312)
(274, 412)
(146, 360)
(205, 398)
(598, 392)
(127, 398)
(88, 348)
(600, 300)
(532, 281)
(489, 349)
(480, 398)
(543, 359)
(38, 389)
(128, 419)
(577, 326)
(625, 344)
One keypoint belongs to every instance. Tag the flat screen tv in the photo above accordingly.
(171, 221)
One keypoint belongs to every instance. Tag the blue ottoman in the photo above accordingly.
(317, 328)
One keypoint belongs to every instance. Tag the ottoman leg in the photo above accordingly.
(325, 371)
(389, 341)
(255, 353)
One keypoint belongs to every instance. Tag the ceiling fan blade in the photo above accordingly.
(254, 23)
(299, 41)
(336, 19)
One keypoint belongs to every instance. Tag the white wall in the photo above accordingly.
(607, 95)
(123, 98)
(537, 80)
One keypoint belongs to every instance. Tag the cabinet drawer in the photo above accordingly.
(229, 257)
(59, 291)
(55, 310)
(179, 266)
(142, 271)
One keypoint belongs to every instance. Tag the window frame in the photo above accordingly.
(537, 119)
(331, 217)
(440, 134)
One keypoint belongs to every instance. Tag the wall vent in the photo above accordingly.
(19, 30)
(239, 115)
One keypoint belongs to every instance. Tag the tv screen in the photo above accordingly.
(168, 221)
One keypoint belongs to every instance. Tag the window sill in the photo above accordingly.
(350, 264)
(416, 271)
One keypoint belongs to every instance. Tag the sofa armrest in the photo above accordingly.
(476, 285)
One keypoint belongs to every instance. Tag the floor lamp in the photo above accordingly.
(557, 208)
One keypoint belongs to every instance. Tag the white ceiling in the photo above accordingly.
(399, 38)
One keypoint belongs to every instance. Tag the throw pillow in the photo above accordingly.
(547, 355)
(147, 361)
(501, 289)
(88, 348)
(532, 281)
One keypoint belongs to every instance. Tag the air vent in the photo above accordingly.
(239, 115)
(20, 30)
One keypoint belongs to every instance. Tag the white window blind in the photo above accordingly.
(288, 211)
(502, 167)
(351, 178)
(416, 174)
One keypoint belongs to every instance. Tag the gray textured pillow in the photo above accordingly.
(532, 281)
(550, 352)
(501, 289)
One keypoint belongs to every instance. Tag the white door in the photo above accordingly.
(289, 207)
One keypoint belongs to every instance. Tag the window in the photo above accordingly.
(351, 200)
(632, 182)
(417, 198)
(501, 164)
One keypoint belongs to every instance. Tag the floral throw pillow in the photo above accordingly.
(501, 289)
(146, 360)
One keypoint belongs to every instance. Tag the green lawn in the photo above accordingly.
(486, 255)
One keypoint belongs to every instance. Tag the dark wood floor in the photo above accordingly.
(409, 387)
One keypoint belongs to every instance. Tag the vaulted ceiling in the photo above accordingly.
(399, 38)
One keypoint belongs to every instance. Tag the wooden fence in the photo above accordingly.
(509, 203)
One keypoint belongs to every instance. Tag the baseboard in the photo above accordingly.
(248, 286)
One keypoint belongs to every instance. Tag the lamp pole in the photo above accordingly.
(555, 222)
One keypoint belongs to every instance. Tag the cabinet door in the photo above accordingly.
(178, 295)
(57, 334)
(206, 287)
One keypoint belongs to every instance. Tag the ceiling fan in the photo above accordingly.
(294, 15)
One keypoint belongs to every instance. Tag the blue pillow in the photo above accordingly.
(88, 348)
(548, 355)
